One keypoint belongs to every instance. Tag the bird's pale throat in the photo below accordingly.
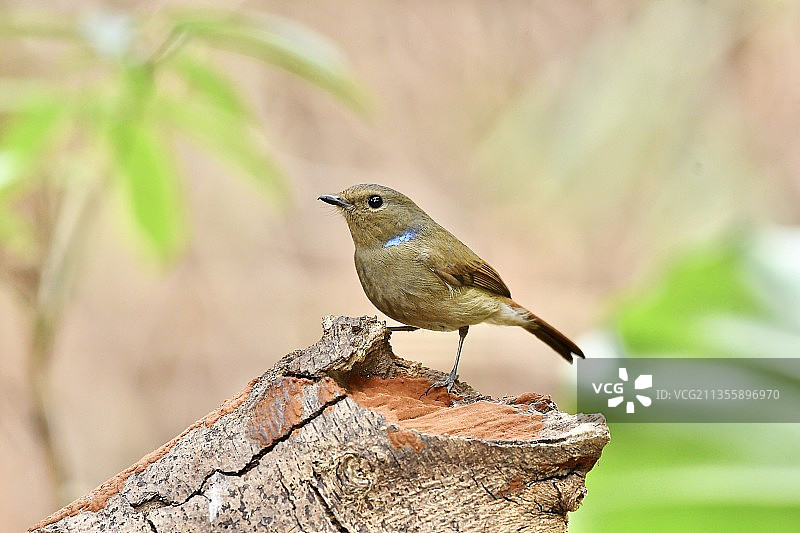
(406, 236)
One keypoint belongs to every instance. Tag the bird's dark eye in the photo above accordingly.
(375, 201)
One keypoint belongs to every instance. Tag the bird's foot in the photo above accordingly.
(402, 328)
(448, 382)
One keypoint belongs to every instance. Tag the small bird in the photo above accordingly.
(419, 274)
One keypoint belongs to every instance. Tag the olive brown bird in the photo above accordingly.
(419, 274)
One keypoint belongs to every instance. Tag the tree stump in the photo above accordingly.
(341, 437)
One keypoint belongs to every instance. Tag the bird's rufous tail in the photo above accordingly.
(552, 337)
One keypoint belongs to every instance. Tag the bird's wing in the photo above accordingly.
(458, 266)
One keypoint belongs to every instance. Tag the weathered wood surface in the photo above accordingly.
(340, 437)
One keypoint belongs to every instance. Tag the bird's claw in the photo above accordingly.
(449, 382)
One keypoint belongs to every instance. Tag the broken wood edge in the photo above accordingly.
(96, 499)
(351, 351)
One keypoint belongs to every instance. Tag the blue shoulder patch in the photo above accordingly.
(403, 237)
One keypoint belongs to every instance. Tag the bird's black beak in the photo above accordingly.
(334, 200)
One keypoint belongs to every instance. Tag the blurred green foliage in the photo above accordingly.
(638, 150)
(669, 315)
(126, 89)
(736, 297)
(133, 84)
(694, 477)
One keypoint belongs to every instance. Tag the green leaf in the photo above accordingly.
(668, 317)
(747, 280)
(227, 136)
(149, 185)
(26, 138)
(282, 43)
(211, 84)
(688, 477)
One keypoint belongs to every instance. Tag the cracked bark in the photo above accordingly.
(339, 437)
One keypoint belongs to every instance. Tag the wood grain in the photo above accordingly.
(339, 437)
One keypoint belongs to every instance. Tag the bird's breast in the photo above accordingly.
(398, 284)
(397, 281)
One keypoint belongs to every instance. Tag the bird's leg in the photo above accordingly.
(450, 380)
(402, 328)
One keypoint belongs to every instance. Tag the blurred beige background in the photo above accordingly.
(146, 351)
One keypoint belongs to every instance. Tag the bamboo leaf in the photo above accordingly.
(210, 83)
(149, 185)
(229, 137)
(26, 138)
(282, 43)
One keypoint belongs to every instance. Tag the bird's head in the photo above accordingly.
(378, 215)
